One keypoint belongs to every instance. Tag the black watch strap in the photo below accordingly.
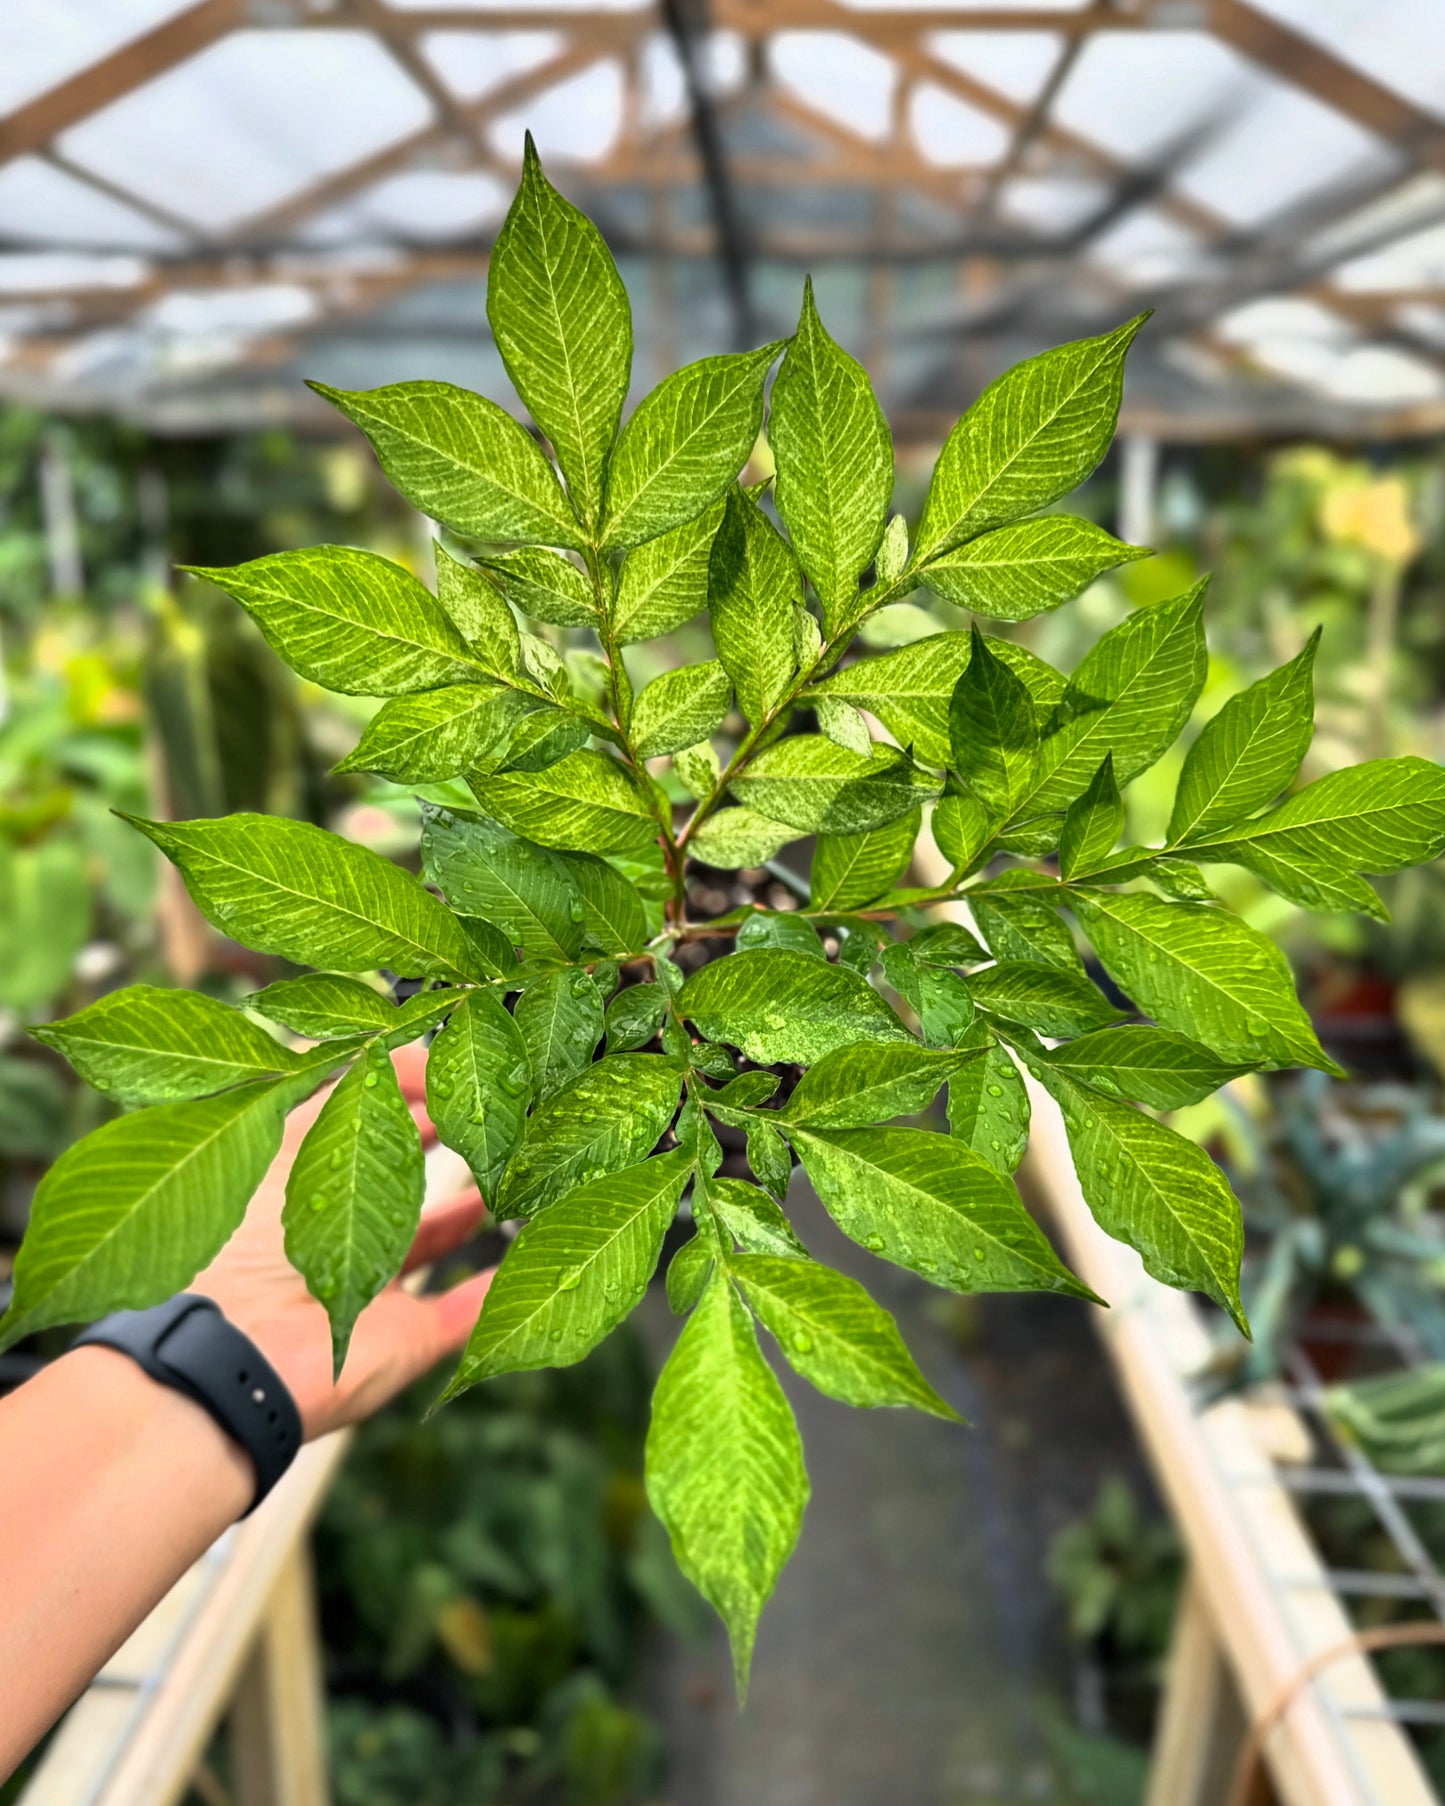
(188, 1345)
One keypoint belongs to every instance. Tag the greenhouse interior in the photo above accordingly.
(713, 711)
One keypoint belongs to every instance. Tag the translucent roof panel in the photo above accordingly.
(250, 122)
(850, 83)
(473, 63)
(201, 204)
(48, 43)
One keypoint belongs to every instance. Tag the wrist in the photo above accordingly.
(158, 1433)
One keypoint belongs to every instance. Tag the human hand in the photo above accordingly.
(397, 1337)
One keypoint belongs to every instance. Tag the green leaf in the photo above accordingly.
(354, 1195)
(45, 911)
(664, 581)
(834, 1334)
(587, 803)
(961, 826)
(1033, 435)
(1377, 817)
(777, 928)
(679, 708)
(770, 1159)
(1150, 1188)
(753, 584)
(129, 1215)
(688, 1272)
(478, 1081)
(1024, 925)
(908, 690)
(559, 314)
(686, 442)
(736, 839)
(572, 1276)
(437, 735)
(462, 460)
(349, 620)
(560, 1020)
(867, 1083)
(543, 737)
(634, 1016)
(1289, 872)
(926, 1202)
(892, 552)
(775, 1005)
(480, 614)
(752, 1218)
(725, 1465)
(146, 1045)
(544, 585)
(850, 870)
(1042, 997)
(609, 1116)
(841, 723)
(1017, 572)
(946, 944)
(1153, 1066)
(1093, 824)
(483, 869)
(1249, 751)
(287, 888)
(945, 1008)
(326, 1006)
(819, 788)
(1130, 696)
(992, 731)
(698, 768)
(835, 463)
(988, 1109)
(613, 918)
(1203, 972)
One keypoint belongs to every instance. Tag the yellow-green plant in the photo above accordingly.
(574, 864)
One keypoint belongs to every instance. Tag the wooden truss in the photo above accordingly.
(706, 194)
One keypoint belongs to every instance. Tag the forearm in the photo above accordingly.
(121, 1485)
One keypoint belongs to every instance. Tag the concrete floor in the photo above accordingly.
(913, 1654)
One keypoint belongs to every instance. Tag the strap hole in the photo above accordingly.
(242, 1378)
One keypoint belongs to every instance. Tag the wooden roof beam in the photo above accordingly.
(33, 125)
